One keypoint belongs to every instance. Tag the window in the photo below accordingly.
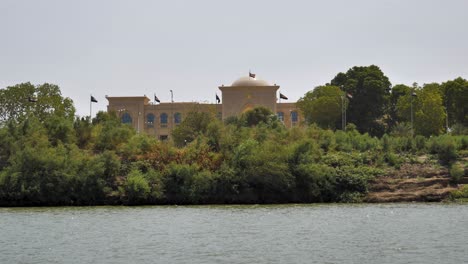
(149, 120)
(294, 117)
(163, 137)
(163, 119)
(280, 116)
(177, 118)
(126, 118)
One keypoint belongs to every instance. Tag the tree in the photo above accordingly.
(428, 110)
(19, 101)
(398, 91)
(256, 116)
(83, 131)
(455, 98)
(322, 106)
(109, 133)
(370, 89)
(137, 188)
(194, 124)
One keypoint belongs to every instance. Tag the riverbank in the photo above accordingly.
(108, 163)
(414, 183)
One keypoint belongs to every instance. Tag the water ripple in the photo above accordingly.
(381, 233)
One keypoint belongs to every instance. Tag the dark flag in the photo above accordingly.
(93, 99)
(32, 99)
(156, 99)
(349, 96)
(282, 96)
(251, 75)
(217, 99)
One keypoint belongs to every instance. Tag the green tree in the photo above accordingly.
(428, 110)
(15, 104)
(137, 188)
(194, 124)
(83, 131)
(256, 116)
(109, 133)
(455, 98)
(370, 89)
(322, 106)
(397, 91)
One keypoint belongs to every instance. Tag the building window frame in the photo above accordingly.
(150, 118)
(126, 118)
(280, 116)
(177, 118)
(163, 119)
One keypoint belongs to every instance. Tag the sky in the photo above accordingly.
(135, 48)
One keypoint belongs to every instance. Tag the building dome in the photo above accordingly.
(248, 81)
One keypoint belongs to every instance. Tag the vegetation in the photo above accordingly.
(322, 106)
(50, 157)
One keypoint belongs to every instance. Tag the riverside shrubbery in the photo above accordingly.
(251, 159)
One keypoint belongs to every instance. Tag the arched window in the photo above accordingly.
(294, 116)
(280, 116)
(126, 118)
(177, 118)
(150, 120)
(163, 119)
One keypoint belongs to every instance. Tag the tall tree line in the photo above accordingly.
(370, 102)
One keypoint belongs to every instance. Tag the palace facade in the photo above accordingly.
(244, 94)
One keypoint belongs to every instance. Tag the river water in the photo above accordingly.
(363, 233)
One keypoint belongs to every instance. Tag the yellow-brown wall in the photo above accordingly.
(235, 101)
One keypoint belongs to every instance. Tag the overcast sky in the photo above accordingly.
(136, 48)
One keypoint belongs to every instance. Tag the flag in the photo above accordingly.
(93, 99)
(156, 99)
(251, 75)
(217, 99)
(349, 96)
(282, 96)
(32, 99)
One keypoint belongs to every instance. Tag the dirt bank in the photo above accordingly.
(413, 183)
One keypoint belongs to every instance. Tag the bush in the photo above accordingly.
(445, 147)
(456, 172)
(461, 193)
(315, 183)
(420, 143)
(136, 188)
(386, 143)
(178, 181)
(393, 160)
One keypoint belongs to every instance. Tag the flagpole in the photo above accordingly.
(412, 131)
(172, 111)
(345, 109)
(90, 107)
(342, 112)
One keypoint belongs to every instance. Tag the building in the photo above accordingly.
(244, 94)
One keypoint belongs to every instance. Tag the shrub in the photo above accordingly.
(456, 172)
(178, 182)
(461, 193)
(393, 160)
(386, 143)
(315, 183)
(445, 148)
(420, 143)
(136, 187)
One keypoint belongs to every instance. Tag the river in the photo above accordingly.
(319, 233)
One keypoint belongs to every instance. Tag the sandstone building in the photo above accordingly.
(245, 93)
